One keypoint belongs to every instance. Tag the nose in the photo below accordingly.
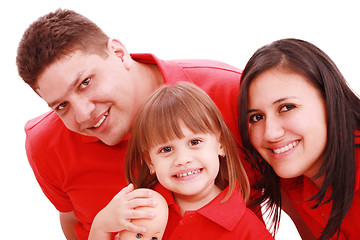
(83, 109)
(183, 157)
(273, 129)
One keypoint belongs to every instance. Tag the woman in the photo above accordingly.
(299, 122)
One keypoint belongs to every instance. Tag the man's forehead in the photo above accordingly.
(59, 78)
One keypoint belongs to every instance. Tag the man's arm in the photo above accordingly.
(68, 221)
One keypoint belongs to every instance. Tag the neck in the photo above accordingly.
(313, 171)
(147, 78)
(195, 202)
(149, 75)
(319, 181)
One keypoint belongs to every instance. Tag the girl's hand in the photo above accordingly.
(116, 216)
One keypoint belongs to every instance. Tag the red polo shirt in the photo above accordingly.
(228, 220)
(316, 219)
(81, 174)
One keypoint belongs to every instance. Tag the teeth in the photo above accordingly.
(188, 173)
(101, 120)
(285, 148)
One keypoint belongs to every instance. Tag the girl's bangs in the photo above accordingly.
(163, 118)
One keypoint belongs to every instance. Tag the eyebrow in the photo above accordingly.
(280, 100)
(74, 83)
(274, 103)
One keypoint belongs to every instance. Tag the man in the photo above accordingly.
(95, 89)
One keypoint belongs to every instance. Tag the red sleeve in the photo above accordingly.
(43, 162)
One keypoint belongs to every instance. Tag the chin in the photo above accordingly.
(287, 174)
(111, 141)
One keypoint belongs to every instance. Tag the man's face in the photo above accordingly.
(93, 95)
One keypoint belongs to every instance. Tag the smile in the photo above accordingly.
(285, 148)
(102, 119)
(188, 173)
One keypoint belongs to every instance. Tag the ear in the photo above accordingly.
(221, 150)
(149, 164)
(152, 169)
(114, 46)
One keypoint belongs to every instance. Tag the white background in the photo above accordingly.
(229, 31)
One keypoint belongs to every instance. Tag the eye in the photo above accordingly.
(165, 150)
(287, 107)
(256, 117)
(194, 142)
(139, 235)
(85, 83)
(61, 106)
(154, 238)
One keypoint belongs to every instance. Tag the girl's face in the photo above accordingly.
(188, 166)
(287, 122)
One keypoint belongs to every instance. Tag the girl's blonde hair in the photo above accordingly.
(158, 122)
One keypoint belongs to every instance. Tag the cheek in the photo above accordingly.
(254, 136)
(163, 177)
(70, 122)
(217, 168)
(160, 168)
(317, 137)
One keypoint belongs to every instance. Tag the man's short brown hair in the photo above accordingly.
(53, 37)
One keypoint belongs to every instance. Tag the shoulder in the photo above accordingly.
(186, 64)
(210, 72)
(207, 64)
(249, 226)
(37, 123)
(214, 77)
(44, 126)
(219, 80)
(41, 144)
(45, 135)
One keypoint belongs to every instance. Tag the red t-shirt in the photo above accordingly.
(82, 174)
(228, 220)
(316, 219)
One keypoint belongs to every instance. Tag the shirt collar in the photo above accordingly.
(226, 214)
(166, 194)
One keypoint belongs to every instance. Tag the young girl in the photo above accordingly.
(299, 123)
(181, 147)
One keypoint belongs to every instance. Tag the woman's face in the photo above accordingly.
(287, 122)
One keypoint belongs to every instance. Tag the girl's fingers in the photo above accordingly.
(142, 202)
(136, 229)
(125, 191)
(140, 193)
(137, 214)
